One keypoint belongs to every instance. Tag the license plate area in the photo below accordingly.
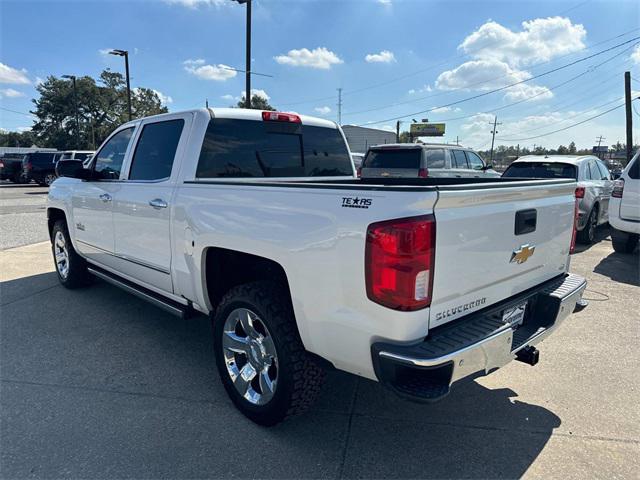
(514, 316)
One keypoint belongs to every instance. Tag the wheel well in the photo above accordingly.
(225, 269)
(53, 215)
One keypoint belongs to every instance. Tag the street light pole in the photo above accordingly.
(125, 54)
(247, 95)
(75, 106)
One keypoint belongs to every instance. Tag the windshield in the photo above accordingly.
(393, 158)
(541, 170)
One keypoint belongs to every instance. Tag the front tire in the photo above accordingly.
(623, 242)
(70, 267)
(261, 360)
(49, 179)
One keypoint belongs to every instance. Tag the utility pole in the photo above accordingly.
(493, 138)
(248, 60)
(599, 140)
(206, 103)
(398, 131)
(627, 101)
(340, 106)
(457, 140)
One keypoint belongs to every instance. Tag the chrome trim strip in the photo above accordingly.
(128, 259)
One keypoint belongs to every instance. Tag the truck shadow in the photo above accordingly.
(105, 348)
(621, 267)
(602, 234)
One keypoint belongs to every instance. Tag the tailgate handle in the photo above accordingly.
(526, 221)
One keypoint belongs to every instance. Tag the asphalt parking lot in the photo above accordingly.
(22, 214)
(95, 383)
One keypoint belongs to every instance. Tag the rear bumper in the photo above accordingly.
(628, 226)
(481, 342)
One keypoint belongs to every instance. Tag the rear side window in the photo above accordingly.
(435, 158)
(248, 148)
(541, 170)
(81, 156)
(110, 157)
(393, 158)
(42, 158)
(459, 159)
(634, 171)
(155, 151)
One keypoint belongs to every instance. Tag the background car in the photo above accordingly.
(11, 168)
(357, 159)
(594, 185)
(85, 156)
(424, 160)
(40, 167)
(624, 208)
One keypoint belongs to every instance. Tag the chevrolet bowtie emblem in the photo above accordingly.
(522, 254)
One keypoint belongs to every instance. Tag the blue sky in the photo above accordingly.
(391, 57)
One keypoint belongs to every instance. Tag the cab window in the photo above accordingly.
(156, 150)
(109, 159)
(435, 158)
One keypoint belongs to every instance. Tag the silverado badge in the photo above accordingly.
(522, 254)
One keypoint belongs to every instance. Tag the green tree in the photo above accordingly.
(405, 137)
(102, 106)
(257, 103)
(562, 150)
(17, 139)
(572, 148)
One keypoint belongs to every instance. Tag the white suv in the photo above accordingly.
(624, 208)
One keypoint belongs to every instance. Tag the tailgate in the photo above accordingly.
(486, 249)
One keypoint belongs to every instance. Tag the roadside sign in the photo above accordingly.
(427, 129)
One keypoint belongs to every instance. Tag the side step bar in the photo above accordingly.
(175, 308)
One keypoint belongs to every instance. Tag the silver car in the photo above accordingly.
(410, 160)
(594, 185)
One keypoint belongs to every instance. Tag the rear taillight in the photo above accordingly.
(579, 192)
(399, 261)
(618, 188)
(27, 166)
(574, 232)
(280, 117)
(423, 173)
(359, 172)
(1, 165)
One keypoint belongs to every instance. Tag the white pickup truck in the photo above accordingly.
(258, 220)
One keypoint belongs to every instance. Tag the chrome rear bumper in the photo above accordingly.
(480, 342)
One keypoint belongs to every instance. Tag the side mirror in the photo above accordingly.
(72, 169)
(487, 167)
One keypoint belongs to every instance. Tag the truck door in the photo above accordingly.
(142, 206)
(92, 201)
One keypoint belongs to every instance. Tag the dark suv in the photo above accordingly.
(11, 167)
(40, 167)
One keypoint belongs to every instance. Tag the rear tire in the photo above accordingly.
(587, 235)
(70, 267)
(623, 242)
(49, 179)
(274, 376)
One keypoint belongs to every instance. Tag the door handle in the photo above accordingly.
(158, 203)
(105, 197)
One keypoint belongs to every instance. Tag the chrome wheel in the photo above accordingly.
(49, 179)
(250, 356)
(61, 254)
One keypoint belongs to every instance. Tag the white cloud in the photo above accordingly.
(541, 39)
(165, 99)
(445, 110)
(525, 91)
(11, 75)
(228, 97)
(198, 3)
(257, 92)
(385, 2)
(317, 58)
(323, 110)
(425, 88)
(10, 93)
(105, 51)
(635, 55)
(388, 128)
(200, 69)
(39, 81)
(385, 56)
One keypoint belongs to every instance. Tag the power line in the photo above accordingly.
(563, 129)
(445, 62)
(484, 94)
(21, 113)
